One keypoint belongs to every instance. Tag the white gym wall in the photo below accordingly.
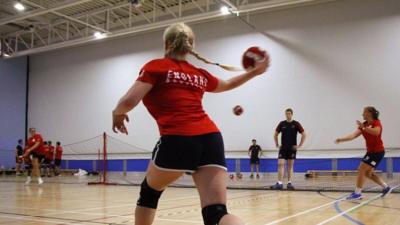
(328, 62)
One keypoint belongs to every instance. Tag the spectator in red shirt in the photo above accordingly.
(172, 90)
(57, 159)
(371, 130)
(49, 157)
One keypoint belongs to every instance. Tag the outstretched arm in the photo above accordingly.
(226, 85)
(349, 137)
(134, 95)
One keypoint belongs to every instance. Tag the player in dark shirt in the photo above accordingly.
(19, 151)
(255, 153)
(288, 148)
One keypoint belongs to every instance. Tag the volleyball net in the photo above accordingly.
(108, 160)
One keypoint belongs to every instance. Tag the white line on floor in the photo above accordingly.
(304, 212)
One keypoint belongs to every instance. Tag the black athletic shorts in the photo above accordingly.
(373, 159)
(287, 153)
(254, 160)
(35, 155)
(57, 162)
(188, 153)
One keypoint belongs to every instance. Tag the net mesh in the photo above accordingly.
(112, 161)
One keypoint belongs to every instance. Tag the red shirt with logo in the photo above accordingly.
(374, 143)
(175, 101)
(37, 138)
(59, 151)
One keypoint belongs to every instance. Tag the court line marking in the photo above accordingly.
(58, 212)
(349, 210)
(339, 210)
(183, 221)
(354, 207)
(55, 221)
(304, 212)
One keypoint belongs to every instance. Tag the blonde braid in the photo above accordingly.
(225, 67)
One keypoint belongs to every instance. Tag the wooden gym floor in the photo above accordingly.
(69, 200)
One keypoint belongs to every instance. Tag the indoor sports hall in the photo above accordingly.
(171, 112)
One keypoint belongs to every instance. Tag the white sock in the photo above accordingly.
(358, 190)
(280, 182)
(289, 182)
(385, 185)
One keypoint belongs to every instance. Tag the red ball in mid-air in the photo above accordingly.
(238, 110)
(251, 56)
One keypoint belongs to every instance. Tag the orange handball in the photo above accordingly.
(251, 56)
(238, 110)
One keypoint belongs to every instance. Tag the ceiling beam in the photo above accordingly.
(38, 12)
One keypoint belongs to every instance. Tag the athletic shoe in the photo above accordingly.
(386, 191)
(258, 176)
(251, 176)
(40, 181)
(290, 187)
(277, 186)
(354, 196)
(28, 180)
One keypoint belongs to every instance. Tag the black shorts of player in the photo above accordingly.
(189, 153)
(57, 162)
(254, 160)
(287, 153)
(35, 155)
(373, 159)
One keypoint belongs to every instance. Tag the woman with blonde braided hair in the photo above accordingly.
(172, 90)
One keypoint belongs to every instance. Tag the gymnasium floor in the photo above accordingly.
(69, 200)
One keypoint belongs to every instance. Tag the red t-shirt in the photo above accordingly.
(59, 151)
(175, 101)
(374, 143)
(50, 153)
(44, 150)
(37, 138)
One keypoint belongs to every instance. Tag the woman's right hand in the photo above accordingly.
(119, 123)
(337, 141)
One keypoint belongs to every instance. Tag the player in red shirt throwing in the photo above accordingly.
(172, 90)
(371, 129)
(35, 143)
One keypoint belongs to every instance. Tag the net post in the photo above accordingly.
(124, 165)
(104, 181)
(237, 166)
(389, 167)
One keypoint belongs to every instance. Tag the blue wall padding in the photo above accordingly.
(266, 165)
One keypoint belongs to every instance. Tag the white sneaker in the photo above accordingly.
(28, 180)
(40, 181)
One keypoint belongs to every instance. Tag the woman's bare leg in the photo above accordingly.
(211, 183)
(157, 180)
